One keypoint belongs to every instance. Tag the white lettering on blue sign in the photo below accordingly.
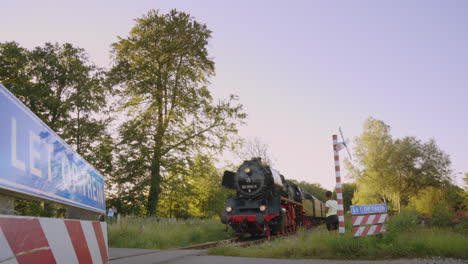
(368, 209)
(37, 162)
(14, 154)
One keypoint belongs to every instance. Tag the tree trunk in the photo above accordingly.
(399, 205)
(155, 182)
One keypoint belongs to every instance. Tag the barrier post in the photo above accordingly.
(338, 189)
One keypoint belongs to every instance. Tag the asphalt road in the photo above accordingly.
(146, 256)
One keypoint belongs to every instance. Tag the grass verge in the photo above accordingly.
(405, 240)
(133, 232)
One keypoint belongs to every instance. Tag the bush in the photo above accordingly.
(462, 226)
(406, 220)
(441, 215)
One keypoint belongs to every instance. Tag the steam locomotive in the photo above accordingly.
(266, 203)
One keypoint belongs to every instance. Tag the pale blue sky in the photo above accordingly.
(301, 68)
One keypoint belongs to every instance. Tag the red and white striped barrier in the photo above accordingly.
(365, 225)
(339, 193)
(25, 240)
(369, 219)
(368, 230)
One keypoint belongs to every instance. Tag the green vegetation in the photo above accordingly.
(406, 239)
(155, 99)
(194, 191)
(168, 129)
(67, 92)
(403, 172)
(133, 232)
(314, 189)
(162, 69)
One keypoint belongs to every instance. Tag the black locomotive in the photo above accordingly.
(266, 202)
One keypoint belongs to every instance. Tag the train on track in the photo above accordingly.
(266, 203)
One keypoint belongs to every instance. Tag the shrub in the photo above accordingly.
(404, 221)
(442, 214)
(462, 226)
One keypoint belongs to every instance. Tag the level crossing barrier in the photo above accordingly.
(50, 240)
(369, 219)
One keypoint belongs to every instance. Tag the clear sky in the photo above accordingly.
(301, 68)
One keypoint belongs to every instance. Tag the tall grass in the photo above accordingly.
(133, 232)
(405, 239)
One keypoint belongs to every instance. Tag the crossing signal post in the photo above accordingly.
(337, 146)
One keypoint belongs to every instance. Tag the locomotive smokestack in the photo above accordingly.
(257, 158)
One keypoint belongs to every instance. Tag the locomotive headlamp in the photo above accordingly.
(262, 207)
(228, 209)
(247, 170)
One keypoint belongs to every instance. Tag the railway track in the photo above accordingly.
(163, 256)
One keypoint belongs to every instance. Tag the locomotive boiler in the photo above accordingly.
(266, 203)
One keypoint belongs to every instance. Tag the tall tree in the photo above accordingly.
(61, 86)
(163, 68)
(372, 152)
(395, 170)
(74, 94)
(417, 165)
(15, 72)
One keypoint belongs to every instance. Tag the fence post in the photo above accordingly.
(339, 192)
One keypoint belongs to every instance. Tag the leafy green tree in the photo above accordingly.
(194, 192)
(73, 94)
(62, 87)
(372, 152)
(205, 180)
(15, 73)
(162, 68)
(394, 170)
(65, 90)
(348, 194)
(427, 198)
(465, 191)
(417, 165)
